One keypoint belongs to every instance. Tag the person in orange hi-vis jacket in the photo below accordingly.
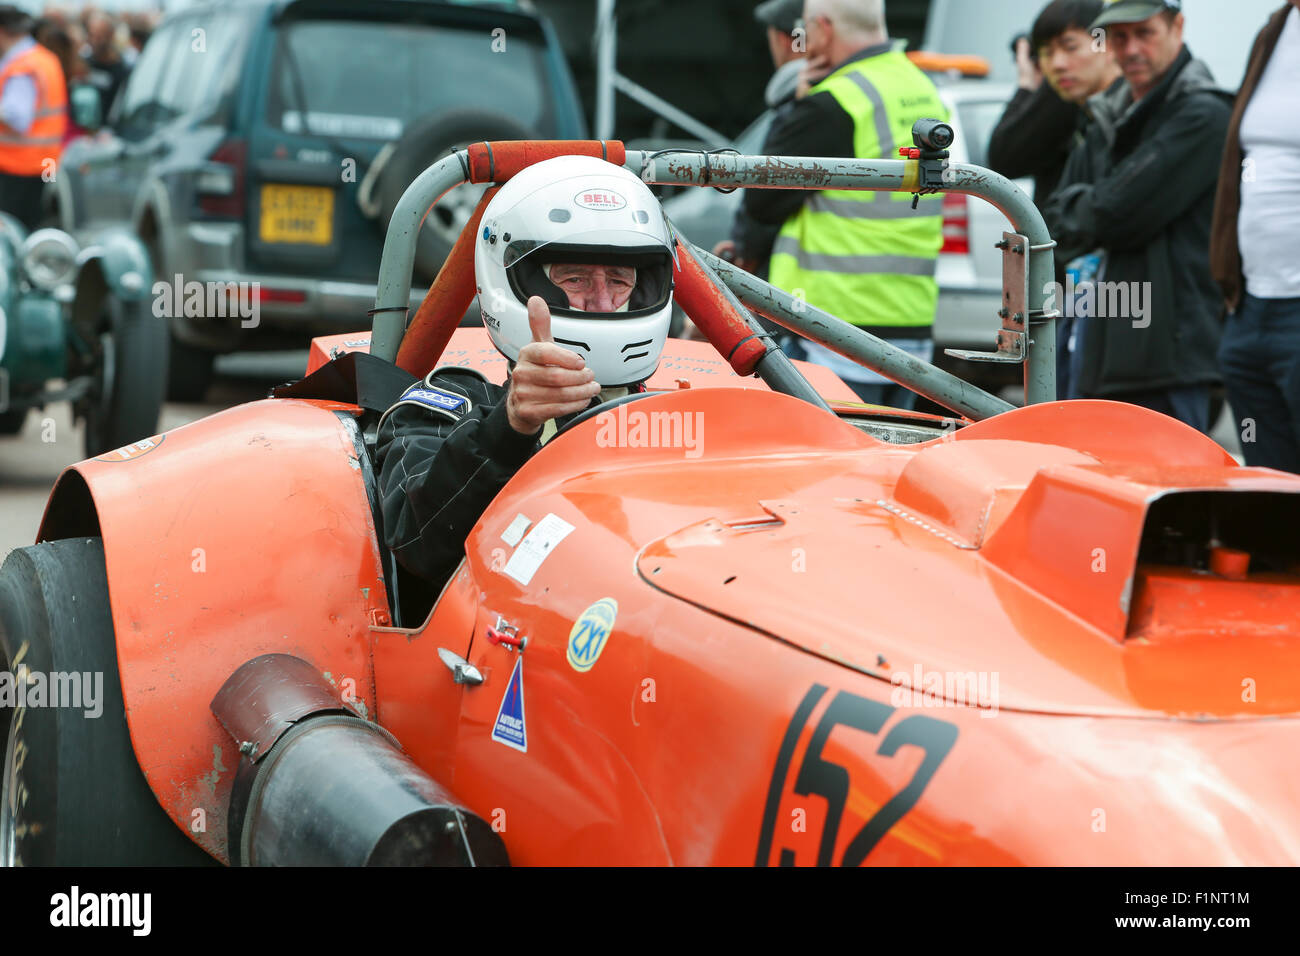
(33, 116)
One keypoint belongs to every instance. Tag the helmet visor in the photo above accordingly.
(608, 265)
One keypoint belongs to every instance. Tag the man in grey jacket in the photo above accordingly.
(1134, 207)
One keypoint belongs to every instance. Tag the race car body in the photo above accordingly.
(713, 625)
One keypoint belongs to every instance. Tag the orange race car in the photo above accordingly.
(813, 633)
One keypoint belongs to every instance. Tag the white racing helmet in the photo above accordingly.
(577, 209)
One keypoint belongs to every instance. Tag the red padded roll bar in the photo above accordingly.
(709, 309)
(497, 162)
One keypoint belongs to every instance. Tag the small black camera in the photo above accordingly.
(932, 135)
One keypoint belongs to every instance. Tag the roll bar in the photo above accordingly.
(1028, 334)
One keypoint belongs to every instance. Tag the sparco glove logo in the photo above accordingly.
(599, 199)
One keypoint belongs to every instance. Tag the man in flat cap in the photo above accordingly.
(1136, 200)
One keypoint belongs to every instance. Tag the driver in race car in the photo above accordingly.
(573, 264)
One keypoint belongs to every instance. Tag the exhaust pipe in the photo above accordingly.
(319, 786)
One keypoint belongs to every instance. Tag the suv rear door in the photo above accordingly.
(339, 83)
(107, 186)
(171, 92)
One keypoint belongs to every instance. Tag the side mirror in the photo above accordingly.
(86, 109)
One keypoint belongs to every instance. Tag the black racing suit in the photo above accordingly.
(441, 466)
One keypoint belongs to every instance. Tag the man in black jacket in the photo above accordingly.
(1136, 199)
(1039, 127)
(1045, 121)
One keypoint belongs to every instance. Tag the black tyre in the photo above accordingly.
(131, 377)
(72, 791)
(423, 143)
(189, 372)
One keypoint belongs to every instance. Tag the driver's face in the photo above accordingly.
(594, 288)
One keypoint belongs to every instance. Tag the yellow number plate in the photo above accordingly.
(303, 214)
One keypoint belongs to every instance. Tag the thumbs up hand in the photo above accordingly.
(548, 381)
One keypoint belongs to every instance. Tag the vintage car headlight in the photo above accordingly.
(49, 258)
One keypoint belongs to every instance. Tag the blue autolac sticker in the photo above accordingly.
(436, 398)
(509, 728)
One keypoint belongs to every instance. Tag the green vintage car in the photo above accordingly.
(76, 325)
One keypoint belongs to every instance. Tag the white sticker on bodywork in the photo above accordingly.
(516, 530)
(535, 548)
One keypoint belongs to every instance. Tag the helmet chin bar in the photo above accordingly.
(618, 313)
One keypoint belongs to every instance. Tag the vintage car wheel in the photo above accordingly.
(426, 141)
(131, 380)
(189, 371)
(72, 792)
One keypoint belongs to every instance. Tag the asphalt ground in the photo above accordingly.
(32, 461)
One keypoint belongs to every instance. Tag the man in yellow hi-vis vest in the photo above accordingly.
(33, 116)
(866, 257)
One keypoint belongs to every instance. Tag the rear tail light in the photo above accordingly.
(292, 296)
(956, 224)
(220, 184)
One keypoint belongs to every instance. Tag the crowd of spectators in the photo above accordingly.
(1159, 177)
(95, 46)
